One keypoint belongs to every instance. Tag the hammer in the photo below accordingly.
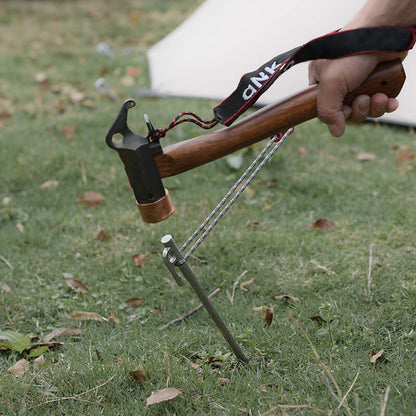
(146, 163)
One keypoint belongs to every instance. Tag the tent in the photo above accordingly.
(207, 54)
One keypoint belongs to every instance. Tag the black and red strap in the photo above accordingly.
(334, 45)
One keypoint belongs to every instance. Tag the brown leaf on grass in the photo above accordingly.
(77, 285)
(50, 184)
(5, 288)
(133, 302)
(60, 332)
(139, 259)
(378, 357)
(52, 344)
(138, 375)
(287, 297)
(303, 152)
(365, 157)
(103, 236)
(405, 156)
(90, 199)
(67, 131)
(76, 97)
(163, 395)
(19, 368)
(39, 362)
(87, 316)
(267, 316)
(156, 311)
(272, 183)
(267, 312)
(323, 225)
(222, 381)
(114, 317)
(133, 71)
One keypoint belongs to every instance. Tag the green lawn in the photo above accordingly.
(350, 291)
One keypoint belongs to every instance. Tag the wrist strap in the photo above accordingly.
(334, 45)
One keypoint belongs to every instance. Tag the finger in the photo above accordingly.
(381, 104)
(360, 109)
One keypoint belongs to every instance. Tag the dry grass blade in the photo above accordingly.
(77, 396)
(189, 313)
(327, 371)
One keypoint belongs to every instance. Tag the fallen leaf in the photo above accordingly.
(139, 259)
(272, 183)
(405, 156)
(77, 285)
(97, 353)
(50, 184)
(60, 332)
(267, 315)
(364, 157)
(138, 375)
(90, 199)
(39, 362)
(323, 225)
(19, 368)
(76, 97)
(303, 152)
(41, 77)
(133, 302)
(114, 317)
(87, 316)
(37, 351)
(20, 227)
(133, 71)
(223, 381)
(163, 395)
(45, 345)
(5, 288)
(128, 81)
(103, 236)
(378, 357)
(156, 311)
(287, 297)
(14, 340)
(68, 130)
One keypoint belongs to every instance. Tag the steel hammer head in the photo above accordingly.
(137, 154)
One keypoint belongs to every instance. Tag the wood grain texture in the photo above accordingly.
(388, 78)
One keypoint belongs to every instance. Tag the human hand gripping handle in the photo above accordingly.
(387, 78)
(336, 78)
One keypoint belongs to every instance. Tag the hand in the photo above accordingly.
(336, 78)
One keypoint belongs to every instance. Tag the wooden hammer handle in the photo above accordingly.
(388, 78)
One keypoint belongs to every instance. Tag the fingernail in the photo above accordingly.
(335, 130)
(363, 105)
(347, 111)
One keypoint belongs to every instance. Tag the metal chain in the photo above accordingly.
(222, 207)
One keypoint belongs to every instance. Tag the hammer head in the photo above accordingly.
(137, 154)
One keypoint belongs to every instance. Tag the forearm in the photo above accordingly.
(384, 13)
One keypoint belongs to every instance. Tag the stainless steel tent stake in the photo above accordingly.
(173, 258)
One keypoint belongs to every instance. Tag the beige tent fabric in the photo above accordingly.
(207, 54)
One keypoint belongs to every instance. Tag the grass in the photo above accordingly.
(358, 278)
